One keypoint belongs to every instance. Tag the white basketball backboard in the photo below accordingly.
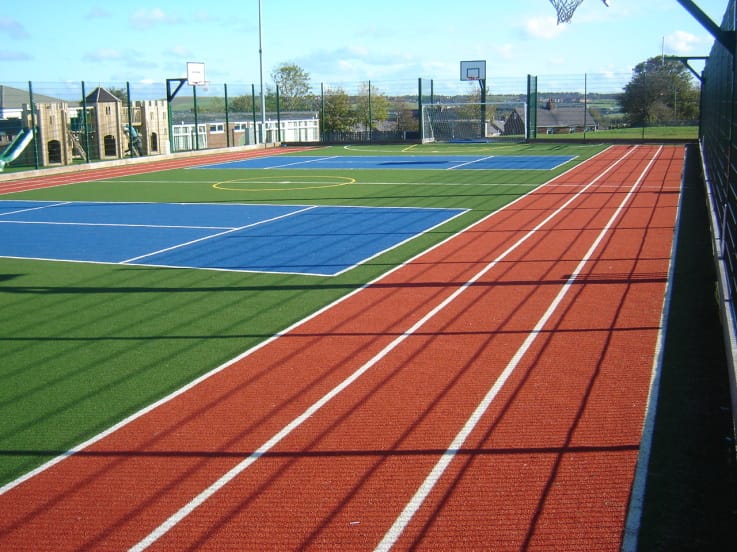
(195, 73)
(473, 70)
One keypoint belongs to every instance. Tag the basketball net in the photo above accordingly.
(565, 9)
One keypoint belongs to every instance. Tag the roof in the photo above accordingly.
(561, 116)
(100, 95)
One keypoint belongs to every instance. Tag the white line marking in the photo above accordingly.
(473, 161)
(34, 208)
(400, 524)
(211, 236)
(631, 533)
(201, 498)
(115, 225)
(398, 244)
(303, 161)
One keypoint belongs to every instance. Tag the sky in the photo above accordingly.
(387, 42)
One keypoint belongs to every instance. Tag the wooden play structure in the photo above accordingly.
(101, 127)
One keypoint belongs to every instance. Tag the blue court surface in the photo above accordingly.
(293, 239)
(435, 162)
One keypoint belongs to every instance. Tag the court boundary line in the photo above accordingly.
(409, 239)
(220, 368)
(37, 208)
(479, 160)
(224, 230)
(115, 225)
(218, 234)
(633, 517)
(316, 274)
(462, 164)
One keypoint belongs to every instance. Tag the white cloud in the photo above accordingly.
(179, 51)
(147, 18)
(104, 54)
(681, 42)
(556, 60)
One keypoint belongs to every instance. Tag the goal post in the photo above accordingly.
(462, 122)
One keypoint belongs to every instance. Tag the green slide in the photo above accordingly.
(16, 147)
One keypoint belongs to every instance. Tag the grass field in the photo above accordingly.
(632, 133)
(84, 345)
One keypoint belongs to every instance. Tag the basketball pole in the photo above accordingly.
(482, 84)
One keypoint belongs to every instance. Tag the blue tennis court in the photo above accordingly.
(434, 162)
(295, 239)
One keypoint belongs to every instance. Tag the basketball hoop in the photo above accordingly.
(565, 9)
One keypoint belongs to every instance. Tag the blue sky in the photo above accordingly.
(335, 41)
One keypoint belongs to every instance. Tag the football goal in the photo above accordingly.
(474, 122)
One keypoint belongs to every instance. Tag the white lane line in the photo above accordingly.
(401, 522)
(201, 498)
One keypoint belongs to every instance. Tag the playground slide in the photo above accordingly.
(16, 147)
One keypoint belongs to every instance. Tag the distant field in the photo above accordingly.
(646, 133)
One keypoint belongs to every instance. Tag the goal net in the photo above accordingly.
(474, 122)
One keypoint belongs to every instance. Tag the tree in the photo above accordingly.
(241, 104)
(661, 90)
(294, 87)
(407, 119)
(371, 106)
(339, 114)
(120, 93)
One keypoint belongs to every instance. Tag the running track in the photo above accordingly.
(489, 394)
(89, 174)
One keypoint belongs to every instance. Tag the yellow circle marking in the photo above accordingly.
(284, 183)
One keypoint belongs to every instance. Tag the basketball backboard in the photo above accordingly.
(473, 70)
(195, 73)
